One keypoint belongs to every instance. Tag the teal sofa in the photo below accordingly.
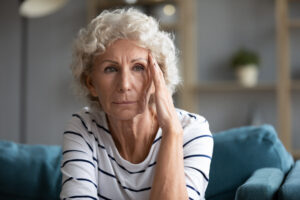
(251, 163)
(248, 163)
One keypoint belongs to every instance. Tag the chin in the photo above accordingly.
(124, 114)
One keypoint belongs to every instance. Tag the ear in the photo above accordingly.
(90, 86)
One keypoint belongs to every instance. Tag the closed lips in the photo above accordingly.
(124, 102)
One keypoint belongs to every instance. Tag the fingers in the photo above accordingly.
(149, 80)
(161, 90)
(148, 84)
(163, 99)
(156, 72)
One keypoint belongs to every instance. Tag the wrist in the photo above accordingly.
(172, 129)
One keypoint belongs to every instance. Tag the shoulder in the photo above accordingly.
(84, 123)
(84, 119)
(85, 128)
(189, 119)
(194, 126)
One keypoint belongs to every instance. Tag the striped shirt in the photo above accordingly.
(92, 167)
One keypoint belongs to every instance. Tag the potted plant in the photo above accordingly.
(245, 63)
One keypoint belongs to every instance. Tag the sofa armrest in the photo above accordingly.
(262, 185)
(238, 153)
(290, 190)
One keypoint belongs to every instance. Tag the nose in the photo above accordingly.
(125, 81)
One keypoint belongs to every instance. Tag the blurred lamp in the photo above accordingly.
(40, 8)
(169, 9)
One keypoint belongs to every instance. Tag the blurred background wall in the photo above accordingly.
(222, 27)
(49, 99)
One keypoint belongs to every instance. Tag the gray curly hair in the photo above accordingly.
(129, 24)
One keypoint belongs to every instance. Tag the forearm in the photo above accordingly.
(169, 179)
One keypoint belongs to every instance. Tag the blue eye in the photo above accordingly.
(139, 68)
(110, 69)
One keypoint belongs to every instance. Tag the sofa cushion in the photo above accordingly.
(29, 171)
(238, 153)
(262, 185)
(290, 190)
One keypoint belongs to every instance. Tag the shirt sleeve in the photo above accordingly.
(79, 165)
(197, 151)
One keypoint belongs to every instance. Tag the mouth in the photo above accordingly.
(124, 102)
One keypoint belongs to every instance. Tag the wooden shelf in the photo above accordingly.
(232, 86)
(169, 27)
(108, 4)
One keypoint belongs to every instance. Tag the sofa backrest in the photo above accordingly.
(33, 171)
(29, 171)
(238, 153)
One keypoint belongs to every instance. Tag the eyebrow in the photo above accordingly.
(137, 59)
(132, 61)
(109, 61)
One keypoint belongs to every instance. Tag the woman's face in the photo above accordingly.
(120, 80)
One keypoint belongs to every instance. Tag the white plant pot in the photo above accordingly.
(247, 75)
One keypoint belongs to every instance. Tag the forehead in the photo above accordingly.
(124, 48)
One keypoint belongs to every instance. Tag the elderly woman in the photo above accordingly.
(131, 142)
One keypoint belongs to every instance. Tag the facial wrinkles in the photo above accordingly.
(124, 57)
(129, 81)
(126, 84)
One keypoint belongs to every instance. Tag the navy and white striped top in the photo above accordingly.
(92, 167)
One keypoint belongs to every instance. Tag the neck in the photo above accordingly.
(133, 138)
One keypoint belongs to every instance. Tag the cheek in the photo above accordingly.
(103, 89)
(104, 98)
